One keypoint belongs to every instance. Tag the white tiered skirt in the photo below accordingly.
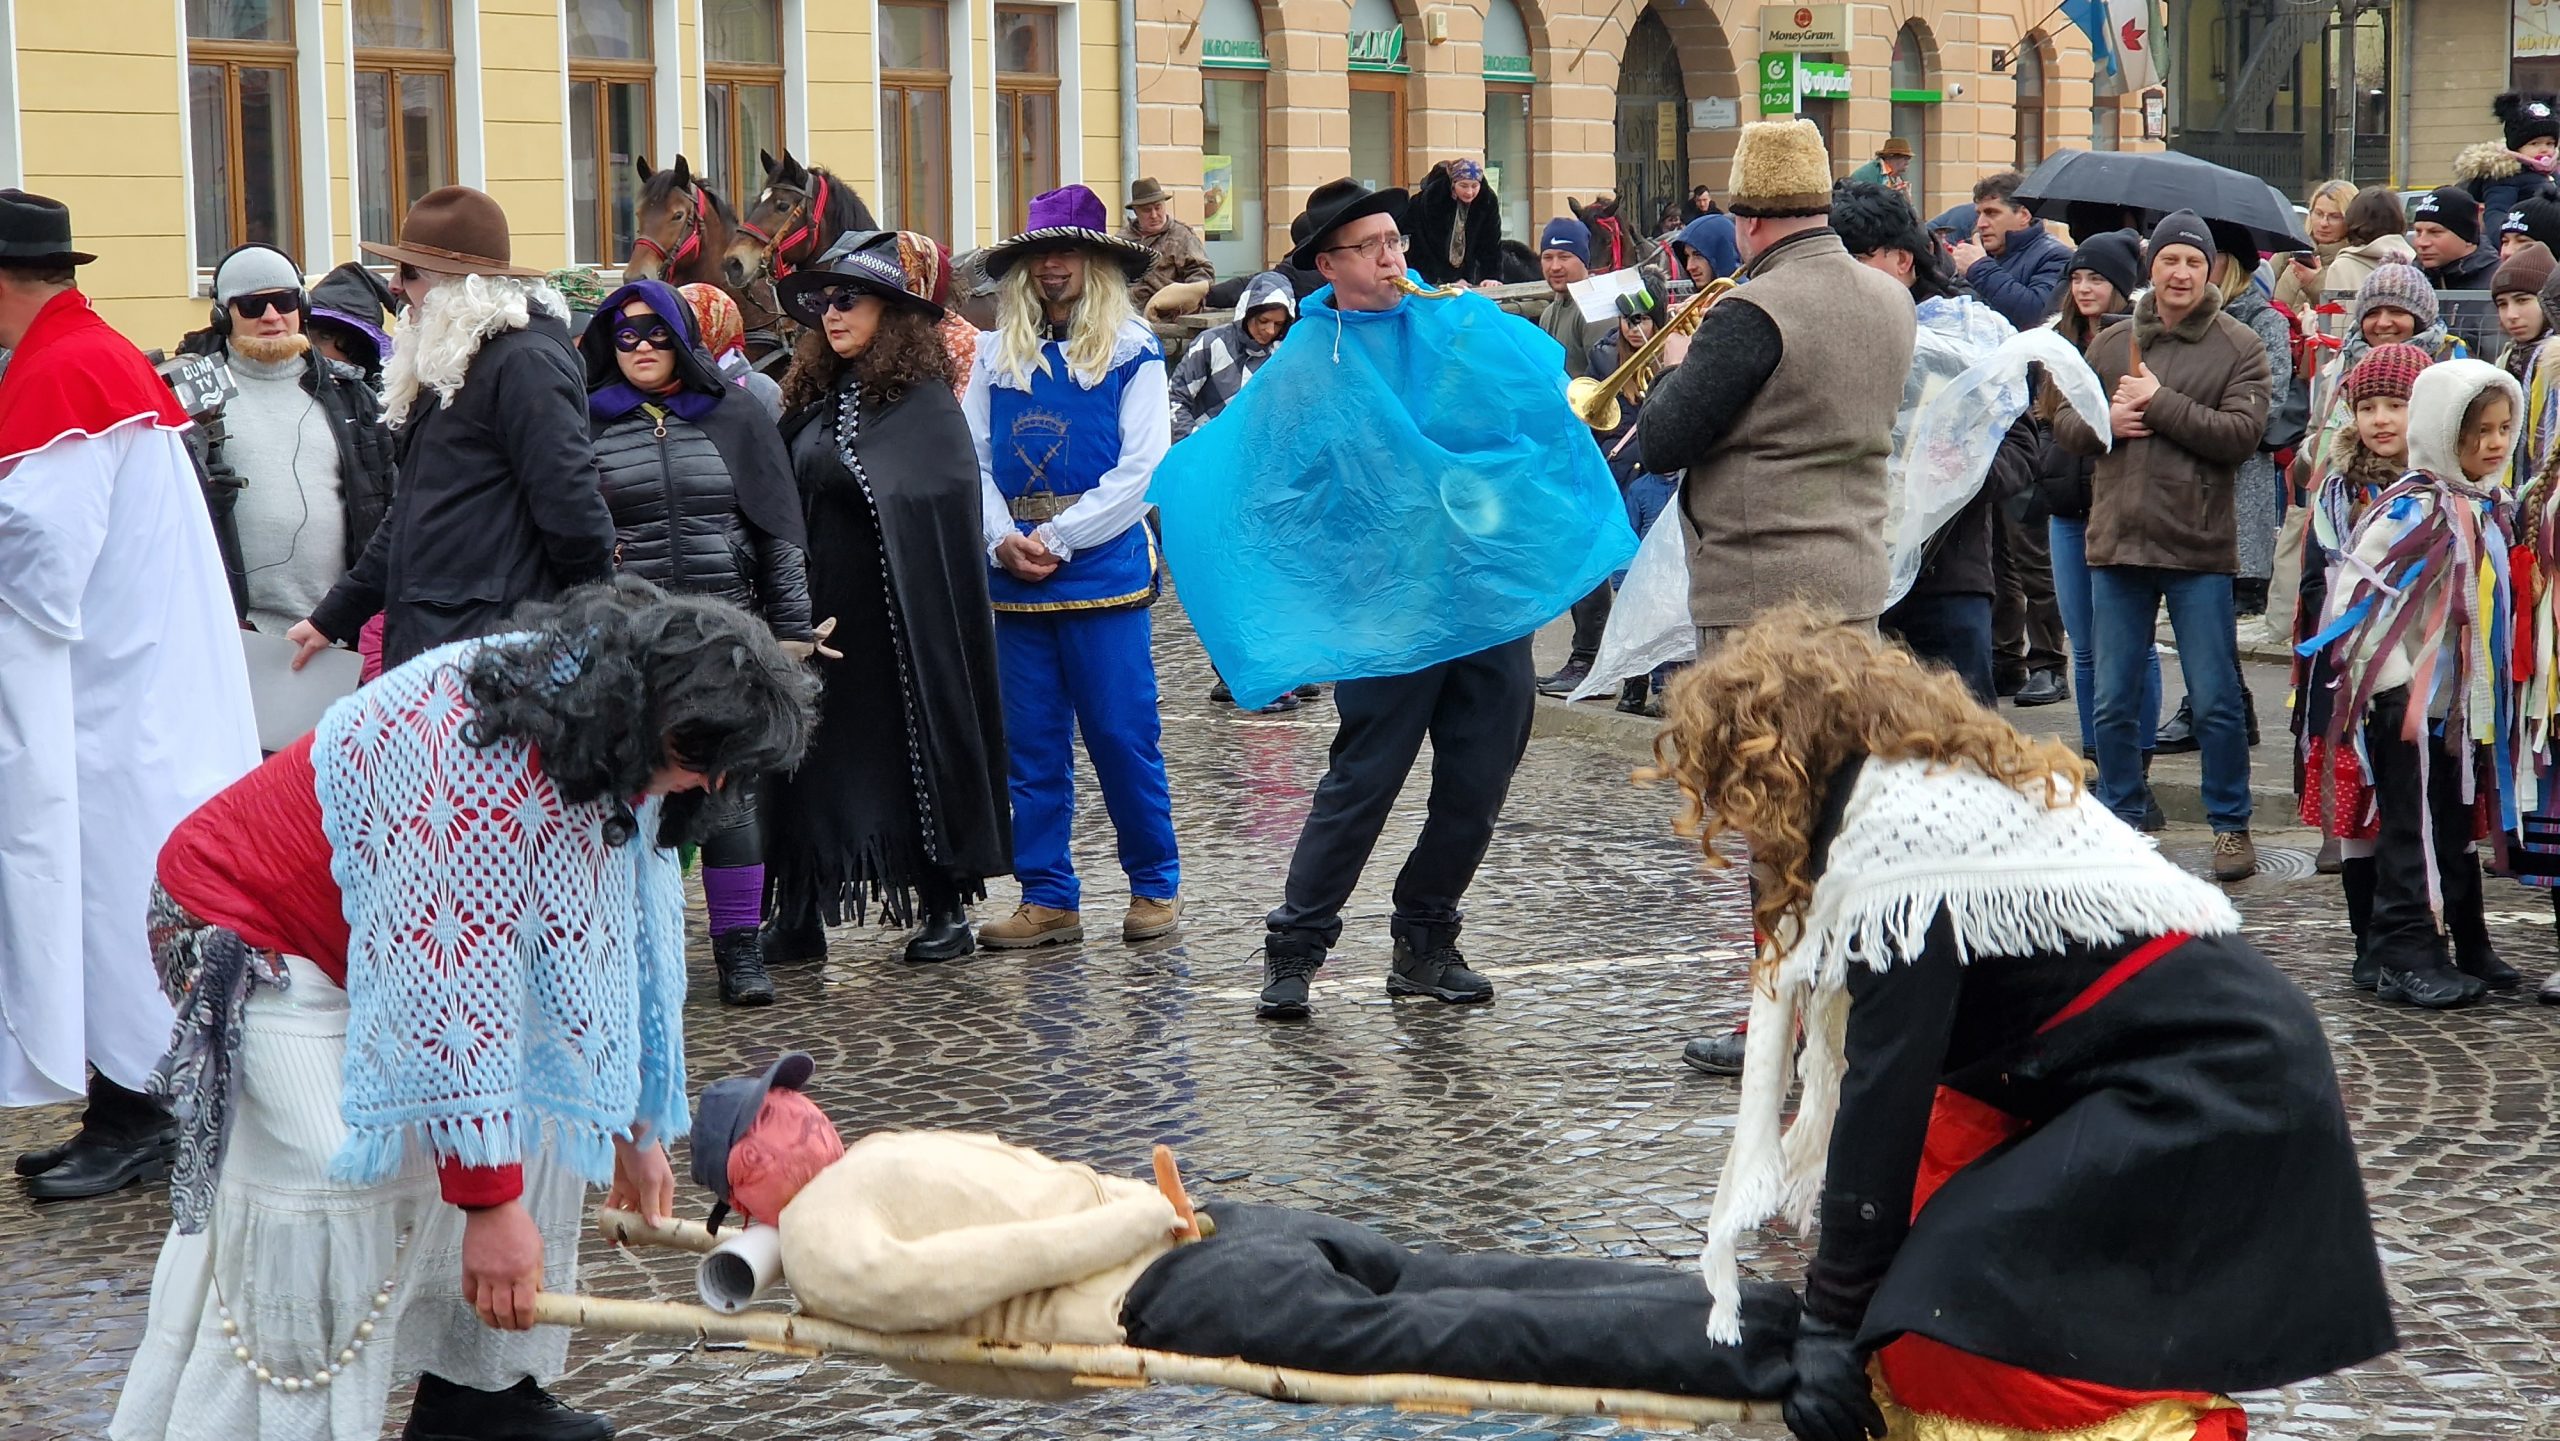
(300, 1257)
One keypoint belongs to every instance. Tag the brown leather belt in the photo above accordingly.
(1040, 507)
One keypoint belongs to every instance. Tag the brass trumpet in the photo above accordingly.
(1595, 402)
(1413, 287)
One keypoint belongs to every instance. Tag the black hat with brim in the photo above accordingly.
(1132, 258)
(727, 1111)
(36, 230)
(863, 260)
(1335, 205)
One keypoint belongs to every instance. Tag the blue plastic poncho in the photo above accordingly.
(1393, 489)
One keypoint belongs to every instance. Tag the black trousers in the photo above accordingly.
(2026, 619)
(1951, 630)
(1280, 1287)
(1475, 710)
(2402, 934)
(1590, 618)
(739, 839)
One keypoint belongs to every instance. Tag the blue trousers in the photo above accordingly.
(1950, 630)
(2127, 600)
(1065, 670)
(2070, 546)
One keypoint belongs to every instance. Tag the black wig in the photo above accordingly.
(1868, 218)
(616, 680)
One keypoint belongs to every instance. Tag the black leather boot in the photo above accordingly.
(125, 1139)
(2355, 878)
(740, 956)
(2473, 953)
(944, 936)
(522, 1412)
(801, 940)
(1288, 963)
(1427, 963)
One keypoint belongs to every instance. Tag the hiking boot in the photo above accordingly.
(1287, 702)
(1571, 674)
(1716, 1055)
(1436, 970)
(1031, 926)
(2434, 986)
(944, 936)
(2177, 735)
(1288, 963)
(2235, 856)
(1149, 918)
(2043, 687)
(445, 1411)
(739, 954)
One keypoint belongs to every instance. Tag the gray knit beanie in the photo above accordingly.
(252, 269)
(2395, 287)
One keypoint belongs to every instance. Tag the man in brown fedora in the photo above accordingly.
(498, 501)
(1179, 279)
(124, 703)
(1893, 158)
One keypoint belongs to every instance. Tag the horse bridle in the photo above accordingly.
(801, 228)
(671, 260)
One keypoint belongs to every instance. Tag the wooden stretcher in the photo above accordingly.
(1106, 1367)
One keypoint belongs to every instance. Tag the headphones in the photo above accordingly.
(301, 293)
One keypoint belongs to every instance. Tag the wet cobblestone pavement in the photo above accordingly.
(1557, 1120)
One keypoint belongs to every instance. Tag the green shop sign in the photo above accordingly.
(1234, 54)
(1378, 50)
(1508, 67)
(1787, 80)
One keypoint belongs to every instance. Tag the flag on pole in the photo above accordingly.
(2123, 36)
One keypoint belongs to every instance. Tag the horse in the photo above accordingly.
(792, 220)
(684, 228)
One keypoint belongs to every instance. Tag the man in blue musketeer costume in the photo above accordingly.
(1070, 411)
(1398, 502)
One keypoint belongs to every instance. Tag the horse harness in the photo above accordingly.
(672, 260)
(799, 227)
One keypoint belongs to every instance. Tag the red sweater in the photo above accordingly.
(254, 860)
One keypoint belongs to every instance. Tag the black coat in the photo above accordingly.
(2180, 1206)
(497, 503)
(1959, 560)
(1434, 213)
(918, 679)
(2063, 476)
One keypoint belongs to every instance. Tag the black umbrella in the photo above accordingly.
(2158, 182)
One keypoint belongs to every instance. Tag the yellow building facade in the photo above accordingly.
(175, 129)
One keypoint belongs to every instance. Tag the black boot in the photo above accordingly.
(1719, 1055)
(2433, 985)
(944, 936)
(2249, 713)
(522, 1412)
(740, 957)
(1635, 697)
(1427, 963)
(2177, 736)
(1288, 963)
(800, 940)
(2154, 820)
(125, 1139)
(2355, 878)
(2473, 953)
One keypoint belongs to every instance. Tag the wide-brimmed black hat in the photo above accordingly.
(863, 259)
(1335, 204)
(727, 1111)
(37, 228)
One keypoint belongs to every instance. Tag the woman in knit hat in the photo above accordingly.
(2394, 306)
(2366, 459)
(2504, 176)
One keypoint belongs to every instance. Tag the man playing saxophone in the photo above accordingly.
(1398, 502)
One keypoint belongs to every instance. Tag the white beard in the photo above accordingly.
(445, 329)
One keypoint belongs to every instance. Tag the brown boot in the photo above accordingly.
(1149, 918)
(1030, 926)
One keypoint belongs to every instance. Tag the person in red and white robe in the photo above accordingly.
(124, 703)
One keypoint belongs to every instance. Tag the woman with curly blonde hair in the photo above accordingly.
(2076, 1147)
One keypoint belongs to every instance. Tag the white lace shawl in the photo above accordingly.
(2013, 875)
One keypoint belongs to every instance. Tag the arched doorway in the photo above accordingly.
(1653, 124)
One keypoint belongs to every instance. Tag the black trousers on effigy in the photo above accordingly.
(1475, 711)
(1280, 1287)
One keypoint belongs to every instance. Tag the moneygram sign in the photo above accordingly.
(1815, 28)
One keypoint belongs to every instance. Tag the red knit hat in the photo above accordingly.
(2386, 370)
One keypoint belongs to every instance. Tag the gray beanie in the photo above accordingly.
(251, 269)
(2395, 287)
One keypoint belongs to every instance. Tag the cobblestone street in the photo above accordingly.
(1558, 1120)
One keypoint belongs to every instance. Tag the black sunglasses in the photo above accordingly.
(627, 338)
(251, 306)
(838, 298)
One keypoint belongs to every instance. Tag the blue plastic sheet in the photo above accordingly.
(1391, 490)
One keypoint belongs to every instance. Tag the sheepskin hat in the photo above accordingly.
(2527, 117)
(1780, 168)
(2395, 287)
(2386, 370)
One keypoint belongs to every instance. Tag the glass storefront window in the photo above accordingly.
(1231, 172)
(1506, 158)
(1376, 134)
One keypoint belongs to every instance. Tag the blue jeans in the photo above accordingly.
(2125, 601)
(1647, 496)
(1949, 630)
(2071, 591)
(1090, 671)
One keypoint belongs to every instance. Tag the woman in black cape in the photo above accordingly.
(901, 801)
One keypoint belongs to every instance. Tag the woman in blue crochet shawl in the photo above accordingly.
(429, 970)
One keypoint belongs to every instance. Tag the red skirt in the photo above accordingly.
(2337, 800)
(1931, 1391)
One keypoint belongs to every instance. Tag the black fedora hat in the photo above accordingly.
(1335, 204)
(37, 228)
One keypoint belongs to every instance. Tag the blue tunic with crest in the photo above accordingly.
(1060, 439)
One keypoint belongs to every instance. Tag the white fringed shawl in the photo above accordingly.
(2014, 876)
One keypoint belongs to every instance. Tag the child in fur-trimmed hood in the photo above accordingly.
(2520, 166)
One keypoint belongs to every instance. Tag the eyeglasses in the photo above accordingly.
(1376, 247)
(255, 304)
(628, 338)
(840, 298)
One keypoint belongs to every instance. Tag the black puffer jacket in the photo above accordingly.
(676, 522)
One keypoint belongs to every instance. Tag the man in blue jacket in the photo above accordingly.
(2012, 262)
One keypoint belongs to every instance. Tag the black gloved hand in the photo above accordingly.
(1831, 1400)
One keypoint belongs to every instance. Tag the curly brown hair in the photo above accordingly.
(1756, 731)
(905, 352)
